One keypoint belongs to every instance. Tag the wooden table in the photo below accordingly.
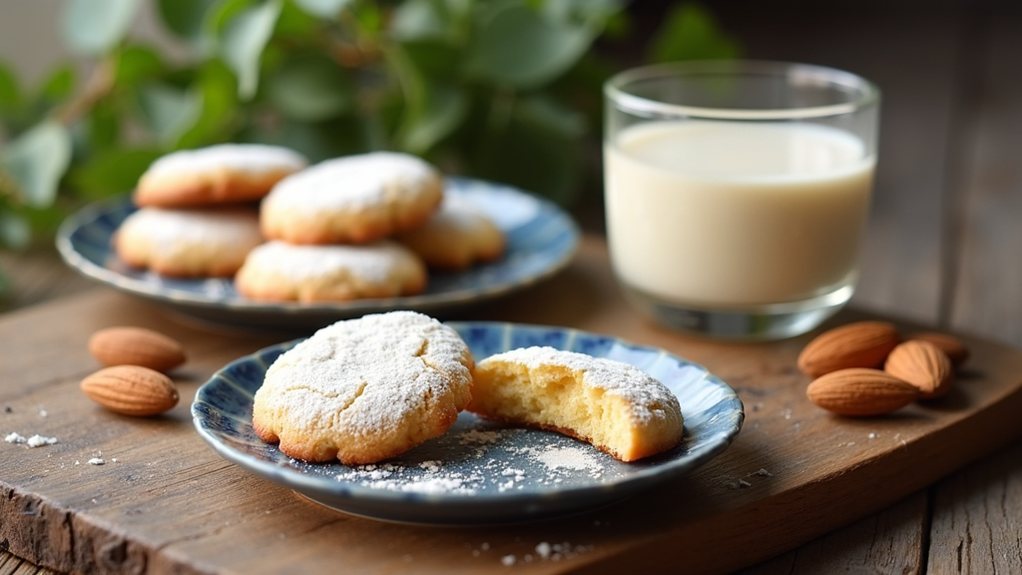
(943, 246)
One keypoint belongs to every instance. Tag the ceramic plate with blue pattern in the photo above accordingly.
(541, 240)
(480, 472)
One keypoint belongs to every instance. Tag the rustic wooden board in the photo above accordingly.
(170, 504)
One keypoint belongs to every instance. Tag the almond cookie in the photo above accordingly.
(188, 243)
(364, 390)
(226, 173)
(614, 406)
(356, 199)
(456, 237)
(281, 272)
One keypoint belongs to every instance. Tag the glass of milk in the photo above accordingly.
(737, 192)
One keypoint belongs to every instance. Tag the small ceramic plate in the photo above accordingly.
(541, 240)
(479, 472)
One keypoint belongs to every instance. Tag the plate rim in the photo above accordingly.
(297, 480)
(89, 213)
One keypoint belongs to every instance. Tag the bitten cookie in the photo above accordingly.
(614, 406)
(225, 173)
(356, 199)
(188, 243)
(278, 271)
(456, 237)
(365, 390)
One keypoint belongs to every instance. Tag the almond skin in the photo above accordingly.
(136, 346)
(860, 344)
(923, 365)
(861, 392)
(953, 347)
(131, 390)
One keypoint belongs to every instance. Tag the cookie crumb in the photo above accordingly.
(508, 560)
(872, 435)
(14, 437)
(543, 549)
(40, 440)
(96, 461)
(43, 412)
(763, 473)
(744, 483)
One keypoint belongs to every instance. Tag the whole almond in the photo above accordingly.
(861, 392)
(131, 390)
(923, 365)
(136, 346)
(860, 344)
(953, 347)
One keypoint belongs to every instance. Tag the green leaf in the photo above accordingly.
(111, 172)
(103, 125)
(218, 90)
(442, 110)
(519, 47)
(36, 160)
(168, 111)
(92, 27)
(136, 64)
(691, 33)
(10, 95)
(185, 18)
(15, 231)
(419, 20)
(244, 39)
(59, 84)
(323, 8)
(310, 88)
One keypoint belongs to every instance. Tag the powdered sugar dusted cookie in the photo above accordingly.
(280, 271)
(188, 243)
(365, 390)
(355, 199)
(456, 237)
(613, 405)
(219, 174)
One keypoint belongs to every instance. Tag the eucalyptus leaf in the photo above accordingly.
(103, 127)
(443, 109)
(92, 27)
(137, 64)
(218, 90)
(36, 160)
(245, 37)
(691, 33)
(519, 47)
(113, 171)
(419, 20)
(59, 84)
(310, 88)
(169, 112)
(323, 8)
(185, 18)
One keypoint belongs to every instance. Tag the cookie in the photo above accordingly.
(355, 199)
(614, 406)
(278, 271)
(188, 243)
(227, 173)
(364, 390)
(458, 235)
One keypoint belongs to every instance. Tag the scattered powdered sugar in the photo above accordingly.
(571, 458)
(392, 477)
(35, 440)
(546, 551)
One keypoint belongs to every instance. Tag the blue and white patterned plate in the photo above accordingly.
(480, 472)
(541, 240)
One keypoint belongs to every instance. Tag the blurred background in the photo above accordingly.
(91, 91)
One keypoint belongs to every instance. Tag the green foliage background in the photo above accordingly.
(507, 90)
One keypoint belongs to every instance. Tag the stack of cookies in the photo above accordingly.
(364, 226)
(197, 215)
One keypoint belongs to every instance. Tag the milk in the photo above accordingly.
(732, 215)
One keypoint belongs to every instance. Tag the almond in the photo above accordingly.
(860, 392)
(136, 346)
(923, 365)
(131, 390)
(949, 344)
(860, 344)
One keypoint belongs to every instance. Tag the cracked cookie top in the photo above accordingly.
(365, 390)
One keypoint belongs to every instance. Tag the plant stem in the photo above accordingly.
(99, 84)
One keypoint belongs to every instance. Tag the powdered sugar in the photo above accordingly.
(351, 182)
(168, 231)
(35, 440)
(382, 261)
(253, 158)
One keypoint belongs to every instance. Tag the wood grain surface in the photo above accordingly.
(170, 504)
